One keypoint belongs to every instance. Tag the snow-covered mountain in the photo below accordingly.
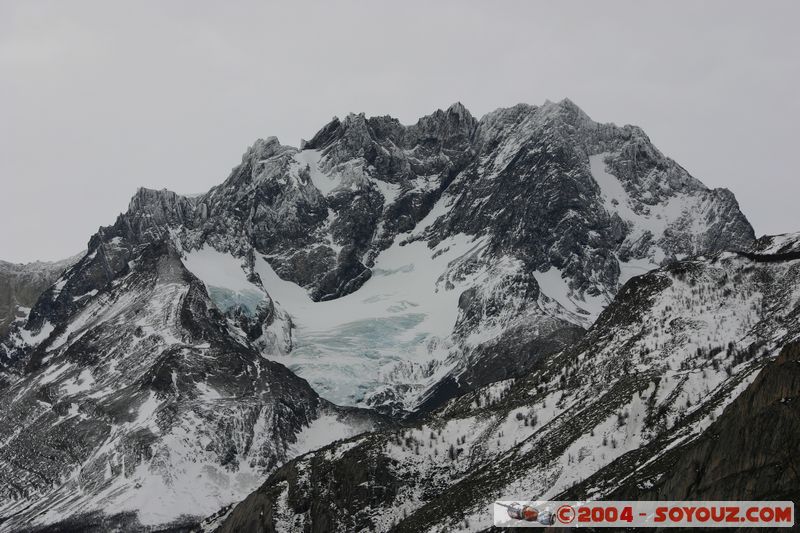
(390, 267)
(609, 416)
(399, 256)
(21, 284)
(138, 399)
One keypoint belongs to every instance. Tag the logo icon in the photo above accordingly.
(528, 513)
(566, 514)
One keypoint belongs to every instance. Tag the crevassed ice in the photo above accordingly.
(386, 332)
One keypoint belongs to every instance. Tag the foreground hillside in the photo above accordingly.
(750, 452)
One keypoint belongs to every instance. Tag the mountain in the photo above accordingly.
(412, 254)
(22, 284)
(137, 388)
(381, 274)
(649, 401)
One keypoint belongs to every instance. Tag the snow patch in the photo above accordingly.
(319, 433)
(585, 309)
(82, 383)
(324, 182)
(32, 339)
(225, 279)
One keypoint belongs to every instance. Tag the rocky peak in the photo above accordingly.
(504, 118)
(324, 136)
(360, 135)
(355, 133)
(460, 110)
(150, 215)
(157, 202)
(566, 112)
(265, 156)
(453, 128)
(264, 149)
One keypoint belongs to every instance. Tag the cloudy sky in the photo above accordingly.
(98, 98)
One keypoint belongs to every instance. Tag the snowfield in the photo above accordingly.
(388, 332)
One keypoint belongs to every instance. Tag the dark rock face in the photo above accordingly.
(753, 450)
(359, 481)
(510, 356)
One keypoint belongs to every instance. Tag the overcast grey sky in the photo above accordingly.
(98, 98)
